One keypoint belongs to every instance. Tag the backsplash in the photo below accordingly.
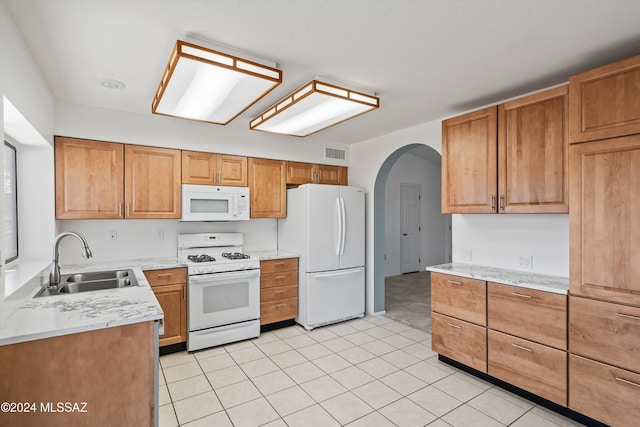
(143, 238)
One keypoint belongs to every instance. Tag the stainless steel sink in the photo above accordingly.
(97, 275)
(94, 281)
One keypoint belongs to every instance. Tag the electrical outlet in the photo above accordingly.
(466, 255)
(113, 235)
(526, 262)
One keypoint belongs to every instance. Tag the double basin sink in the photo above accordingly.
(94, 281)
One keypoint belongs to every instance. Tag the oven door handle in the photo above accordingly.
(215, 277)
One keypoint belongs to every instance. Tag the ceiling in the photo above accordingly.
(426, 59)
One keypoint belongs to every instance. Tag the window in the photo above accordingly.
(10, 204)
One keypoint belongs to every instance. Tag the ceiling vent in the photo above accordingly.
(335, 153)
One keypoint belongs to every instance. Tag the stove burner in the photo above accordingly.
(201, 258)
(235, 255)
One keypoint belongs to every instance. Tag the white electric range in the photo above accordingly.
(223, 289)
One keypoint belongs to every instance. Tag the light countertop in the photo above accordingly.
(24, 318)
(272, 254)
(523, 279)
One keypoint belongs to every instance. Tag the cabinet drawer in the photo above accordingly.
(605, 331)
(275, 311)
(268, 280)
(602, 392)
(537, 368)
(534, 315)
(278, 293)
(277, 265)
(167, 276)
(459, 297)
(458, 340)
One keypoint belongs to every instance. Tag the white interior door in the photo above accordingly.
(409, 228)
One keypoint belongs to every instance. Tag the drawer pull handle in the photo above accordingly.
(280, 277)
(278, 263)
(521, 347)
(622, 380)
(164, 275)
(628, 316)
(454, 326)
(453, 282)
(280, 291)
(521, 295)
(279, 305)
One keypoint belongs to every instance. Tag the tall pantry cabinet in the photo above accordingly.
(604, 303)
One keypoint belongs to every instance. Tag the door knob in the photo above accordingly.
(404, 234)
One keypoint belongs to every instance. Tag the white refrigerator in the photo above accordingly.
(325, 226)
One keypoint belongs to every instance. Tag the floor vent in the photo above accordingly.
(335, 153)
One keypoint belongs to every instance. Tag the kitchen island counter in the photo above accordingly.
(523, 279)
(24, 318)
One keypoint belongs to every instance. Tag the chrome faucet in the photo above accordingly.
(54, 275)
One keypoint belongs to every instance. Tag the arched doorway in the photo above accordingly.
(408, 167)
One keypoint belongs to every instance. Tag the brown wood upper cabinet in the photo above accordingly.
(152, 182)
(99, 180)
(469, 162)
(268, 188)
(89, 179)
(311, 173)
(604, 227)
(213, 169)
(508, 159)
(533, 154)
(605, 101)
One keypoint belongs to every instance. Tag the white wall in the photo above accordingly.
(144, 238)
(493, 239)
(148, 129)
(24, 86)
(412, 169)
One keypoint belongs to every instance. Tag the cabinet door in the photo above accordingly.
(172, 299)
(534, 315)
(603, 392)
(605, 102)
(534, 367)
(533, 154)
(152, 182)
(469, 163)
(604, 226)
(268, 188)
(198, 168)
(328, 174)
(300, 173)
(232, 170)
(458, 340)
(89, 179)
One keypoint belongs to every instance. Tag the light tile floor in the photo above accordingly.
(367, 372)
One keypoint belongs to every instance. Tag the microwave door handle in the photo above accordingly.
(234, 204)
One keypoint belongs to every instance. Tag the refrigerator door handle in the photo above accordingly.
(332, 275)
(339, 236)
(343, 214)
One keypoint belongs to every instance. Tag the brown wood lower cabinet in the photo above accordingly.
(459, 340)
(534, 367)
(111, 369)
(170, 289)
(604, 392)
(459, 297)
(278, 290)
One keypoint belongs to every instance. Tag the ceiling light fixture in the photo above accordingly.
(110, 83)
(313, 107)
(212, 86)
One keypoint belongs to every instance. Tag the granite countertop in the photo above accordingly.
(523, 279)
(24, 318)
(273, 254)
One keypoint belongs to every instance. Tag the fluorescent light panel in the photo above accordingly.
(313, 107)
(210, 86)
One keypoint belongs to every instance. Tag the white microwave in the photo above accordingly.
(212, 203)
